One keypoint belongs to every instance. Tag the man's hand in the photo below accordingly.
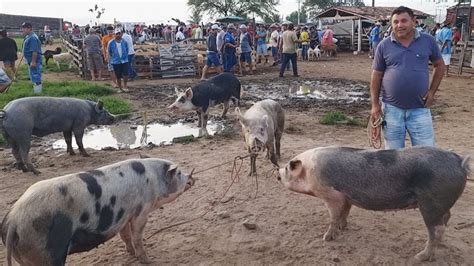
(376, 114)
(429, 99)
(33, 65)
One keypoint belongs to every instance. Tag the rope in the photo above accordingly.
(143, 139)
(375, 138)
(235, 178)
(14, 76)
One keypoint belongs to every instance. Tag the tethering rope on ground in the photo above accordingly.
(235, 178)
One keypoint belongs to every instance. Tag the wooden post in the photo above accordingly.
(359, 36)
(352, 34)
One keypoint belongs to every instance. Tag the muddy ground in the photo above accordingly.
(289, 226)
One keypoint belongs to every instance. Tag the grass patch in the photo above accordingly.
(337, 117)
(76, 89)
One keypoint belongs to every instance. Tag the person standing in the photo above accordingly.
(8, 53)
(48, 35)
(375, 37)
(401, 75)
(262, 44)
(92, 44)
(288, 48)
(105, 44)
(245, 50)
(328, 41)
(132, 74)
(444, 39)
(212, 52)
(180, 35)
(304, 37)
(32, 53)
(118, 57)
(230, 46)
(274, 43)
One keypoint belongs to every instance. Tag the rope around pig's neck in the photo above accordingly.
(235, 178)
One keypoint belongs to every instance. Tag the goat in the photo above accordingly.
(65, 58)
(48, 54)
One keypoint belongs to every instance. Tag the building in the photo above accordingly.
(349, 2)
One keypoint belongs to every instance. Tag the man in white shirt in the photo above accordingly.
(274, 43)
(132, 74)
(180, 35)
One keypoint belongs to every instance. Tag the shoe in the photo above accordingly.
(296, 76)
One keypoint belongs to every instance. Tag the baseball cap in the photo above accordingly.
(231, 26)
(215, 27)
(118, 30)
(26, 25)
(273, 25)
(242, 26)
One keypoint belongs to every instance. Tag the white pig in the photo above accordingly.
(262, 128)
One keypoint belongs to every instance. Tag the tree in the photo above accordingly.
(242, 8)
(196, 16)
(293, 17)
(276, 18)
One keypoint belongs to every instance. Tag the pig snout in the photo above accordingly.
(173, 108)
(257, 146)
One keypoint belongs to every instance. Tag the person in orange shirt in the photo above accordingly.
(105, 43)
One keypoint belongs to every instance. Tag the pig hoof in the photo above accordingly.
(424, 256)
(330, 235)
(71, 153)
(85, 154)
(144, 260)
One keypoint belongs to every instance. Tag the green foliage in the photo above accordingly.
(293, 17)
(275, 18)
(337, 117)
(196, 16)
(76, 89)
(241, 8)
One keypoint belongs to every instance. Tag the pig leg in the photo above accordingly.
(126, 236)
(78, 134)
(205, 116)
(338, 211)
(273, 157)
(253, 165)
(345, 213)
(435, 220)
(24, 149)
(16, 153)
(226, 108)
(138, 225)
(199, 114)
(68, 139)
(277, 143)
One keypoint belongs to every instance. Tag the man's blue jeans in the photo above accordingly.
(417, 122)
(131, 70)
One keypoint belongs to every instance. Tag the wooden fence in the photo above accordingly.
(175, 60)
(462, 60)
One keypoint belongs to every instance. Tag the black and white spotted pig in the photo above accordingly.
(77, 212)
(219, 89)
(427, 178)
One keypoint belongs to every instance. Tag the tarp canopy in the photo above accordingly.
(230, 19)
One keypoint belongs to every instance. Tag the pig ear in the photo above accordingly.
(189, 93)
(172, 171)
(296, 167)
(265, 121)
(99, 106)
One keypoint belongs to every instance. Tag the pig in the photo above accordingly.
(262, 128)
(427, 178)
(219, 89)
(40, 116)
(77, 212)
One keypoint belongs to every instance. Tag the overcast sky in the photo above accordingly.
(149, 11)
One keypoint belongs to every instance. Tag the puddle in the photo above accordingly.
(327, 90)
(121, 136)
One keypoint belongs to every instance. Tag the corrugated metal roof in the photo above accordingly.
(372, 13)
